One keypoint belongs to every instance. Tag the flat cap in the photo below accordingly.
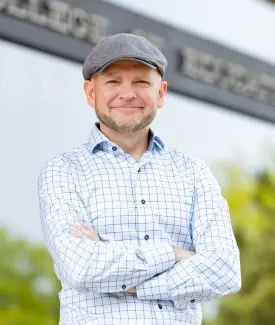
(120, 47)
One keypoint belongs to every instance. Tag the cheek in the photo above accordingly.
(149, 97)
(105, 97)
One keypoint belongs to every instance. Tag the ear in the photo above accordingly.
(89, 89)
(162, 92)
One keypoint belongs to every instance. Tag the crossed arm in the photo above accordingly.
(84, 231)
(156, 271)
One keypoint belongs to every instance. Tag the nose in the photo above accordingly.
(127, 93)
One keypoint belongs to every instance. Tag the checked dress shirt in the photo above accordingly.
(140, 209)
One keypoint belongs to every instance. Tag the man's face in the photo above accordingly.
(126, 96)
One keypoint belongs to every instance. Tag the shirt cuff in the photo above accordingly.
(159, 257)
(154, 289)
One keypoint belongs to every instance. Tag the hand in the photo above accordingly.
(182, 254)
(83, 230)
(132, 290)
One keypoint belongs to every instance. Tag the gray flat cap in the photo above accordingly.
(120, 47)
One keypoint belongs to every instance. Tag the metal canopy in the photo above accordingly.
(197, 67)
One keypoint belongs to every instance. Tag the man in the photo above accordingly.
(139, 233)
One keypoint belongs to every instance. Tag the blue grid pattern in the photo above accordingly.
(140, 209)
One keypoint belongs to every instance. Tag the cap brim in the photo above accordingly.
(127, 58)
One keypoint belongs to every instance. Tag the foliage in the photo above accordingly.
(252, 204)
(28, 286)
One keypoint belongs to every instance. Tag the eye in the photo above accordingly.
(142, 82)
(112, 81)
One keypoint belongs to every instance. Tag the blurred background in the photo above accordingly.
(43, 113)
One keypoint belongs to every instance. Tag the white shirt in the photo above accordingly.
(140, 210)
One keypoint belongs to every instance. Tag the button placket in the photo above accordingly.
(143, 212)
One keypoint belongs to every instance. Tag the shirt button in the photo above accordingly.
(139, 171)
(146, 237)
(193, 300)
(143, 201)
(124, 287)
(114, 148)
(160, 306)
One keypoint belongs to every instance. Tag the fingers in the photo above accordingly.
(85, 225)
(84, 230)
(81, 232)
(132, 290)
(89, 231)
(76, 233)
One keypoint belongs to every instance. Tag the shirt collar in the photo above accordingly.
(98, 140)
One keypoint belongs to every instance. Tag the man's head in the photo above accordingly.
(123, 82)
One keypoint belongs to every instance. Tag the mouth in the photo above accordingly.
(127, 110)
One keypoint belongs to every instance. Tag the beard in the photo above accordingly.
(134, 124)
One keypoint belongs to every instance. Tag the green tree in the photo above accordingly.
(252, 205)
(28, 286)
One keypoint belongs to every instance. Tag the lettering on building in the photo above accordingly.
(58, 16)
(227, 75)
(157, 40)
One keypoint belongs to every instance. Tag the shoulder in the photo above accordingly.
(186, 162)
(64, 162)
(197, 171)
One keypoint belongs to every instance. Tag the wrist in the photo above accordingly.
(177, 251)
(182, 254)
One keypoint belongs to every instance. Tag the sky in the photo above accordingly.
(48, 114)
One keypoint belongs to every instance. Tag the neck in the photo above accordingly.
(135, 143)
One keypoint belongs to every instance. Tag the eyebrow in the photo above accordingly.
(107, 74)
